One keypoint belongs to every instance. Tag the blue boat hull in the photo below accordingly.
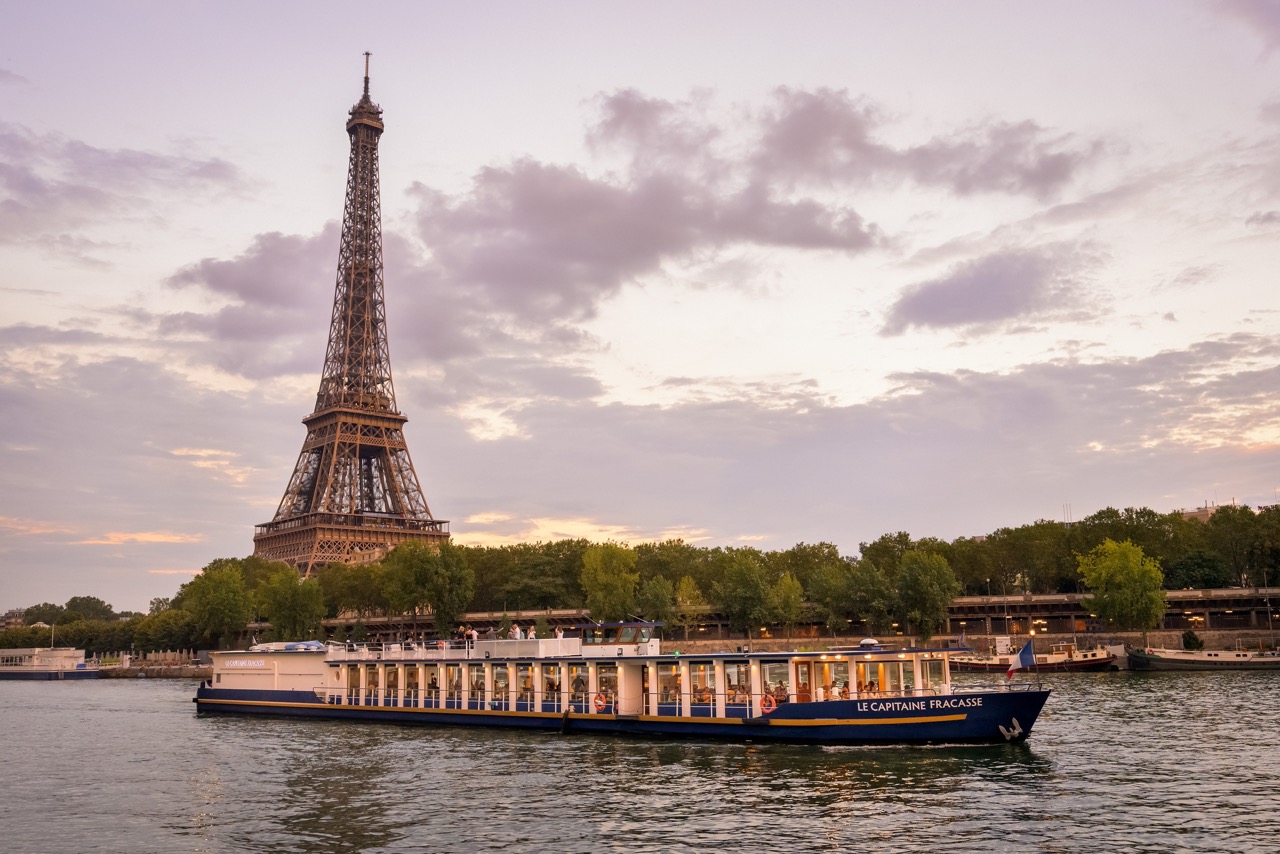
(998, 717)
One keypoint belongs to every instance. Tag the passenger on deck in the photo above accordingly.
(559, 632)
(491, 634)
(844, 690)
(473, 633)
(579, 688)
(514, 633)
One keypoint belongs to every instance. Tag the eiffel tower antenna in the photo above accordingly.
(353, 495)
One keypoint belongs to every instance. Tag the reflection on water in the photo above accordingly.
(1120, 761)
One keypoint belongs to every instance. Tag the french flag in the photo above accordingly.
(1026, 657)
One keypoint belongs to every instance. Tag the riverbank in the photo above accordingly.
(163, 671)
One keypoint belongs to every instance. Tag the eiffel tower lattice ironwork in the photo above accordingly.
(354, 494)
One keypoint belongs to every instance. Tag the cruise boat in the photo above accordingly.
(46, 663)
(614, 678)
(1061, 657)
(1152, 658)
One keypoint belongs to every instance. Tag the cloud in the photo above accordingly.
(9, 78)
(1009, 287)
(1260, 16)
(1263, 218)
(824, 135)
(54, 186)
(113, 538)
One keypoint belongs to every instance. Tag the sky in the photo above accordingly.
(743, 273)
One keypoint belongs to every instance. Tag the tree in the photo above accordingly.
(609, 580)
(786, 602)
(871, 595)
(742, 594)
(1231, 532)
(655, 598)
(829, 591)
(294, 606)
(1126, 586)
(171, 629)
(886, 552)
(87, 608)
(1198, 570)
(689, 605)
(926, 586)
(449, 584)
(218, 603)
(159, 605)
(45, 612)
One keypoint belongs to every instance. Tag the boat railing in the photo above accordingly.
(456, 649)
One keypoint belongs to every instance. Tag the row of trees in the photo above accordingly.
(895, 579)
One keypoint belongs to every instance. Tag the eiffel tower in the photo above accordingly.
(353, 495)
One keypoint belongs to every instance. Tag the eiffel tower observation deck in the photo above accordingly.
(353, 495)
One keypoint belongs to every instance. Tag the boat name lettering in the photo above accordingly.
(918, 705)
(246, 662)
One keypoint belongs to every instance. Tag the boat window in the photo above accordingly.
(453, 679)
(668, 683)
(932, 673)
(579, 682)
(500, 681)
(702, 682)
(627, 634)
(776, 681)
(645, 635)
(524, 680)
(737, 682)
(832, 681)
(607, 681)
(475, 681)
(550, 681)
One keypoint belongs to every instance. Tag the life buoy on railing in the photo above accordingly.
(768, 704)
(600, 702)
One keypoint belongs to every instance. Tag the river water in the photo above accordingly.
(1119, 762)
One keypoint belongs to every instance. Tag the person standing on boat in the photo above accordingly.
(514, 634)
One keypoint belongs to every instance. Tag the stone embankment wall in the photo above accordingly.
(159, 671)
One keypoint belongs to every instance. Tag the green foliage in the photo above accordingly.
(609, 579)
(926, 586)
(171, 629)
(656, 598)
(830, 592)
(46, 612)
(435, 575)
(1127, 586)
(1199, 569)
(786, 603)
(292, 605)
(871, 596)
(886, 552)
(159, 605)
(742, 594)
(1191, 640)
(689, 605)
(218, 603)
(87, 608)
(1232, 532)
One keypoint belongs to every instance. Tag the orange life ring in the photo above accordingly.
(600, 702)
(768, 704)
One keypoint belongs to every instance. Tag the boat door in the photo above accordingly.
(804, 681)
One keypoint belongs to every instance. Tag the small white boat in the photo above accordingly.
(46, 663)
